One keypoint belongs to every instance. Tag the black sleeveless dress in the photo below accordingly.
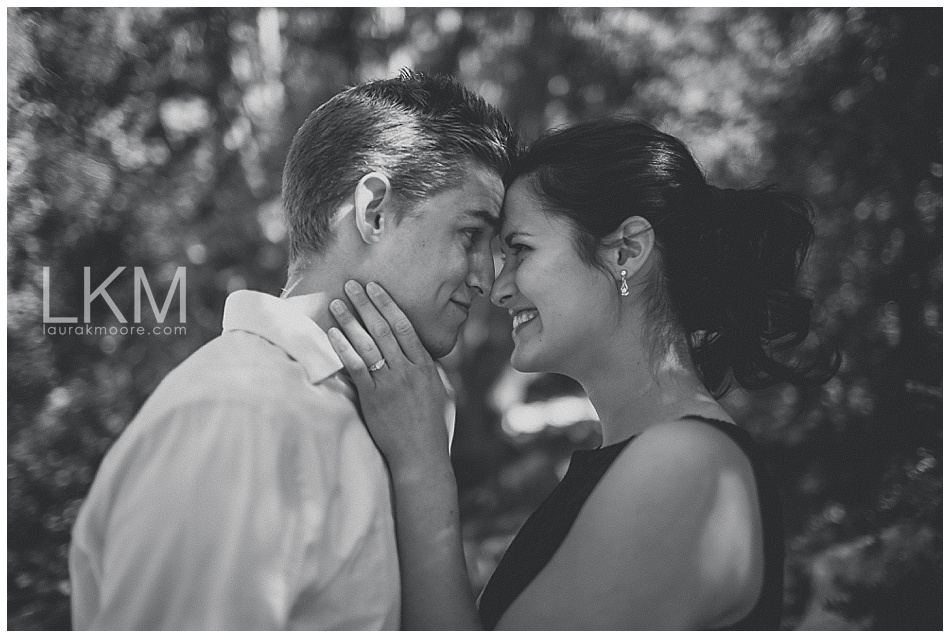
(545, 530)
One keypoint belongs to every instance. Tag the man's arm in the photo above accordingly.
(208, 526)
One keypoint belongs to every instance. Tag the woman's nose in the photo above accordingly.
(502, 290)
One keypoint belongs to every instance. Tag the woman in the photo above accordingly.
(626, 271)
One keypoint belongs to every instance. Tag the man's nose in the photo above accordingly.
(481, 273)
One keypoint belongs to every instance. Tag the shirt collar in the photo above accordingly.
(286, 327)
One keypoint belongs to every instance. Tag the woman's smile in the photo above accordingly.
(522, 317)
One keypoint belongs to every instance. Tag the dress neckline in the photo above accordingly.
(589, 452)
(600, 448)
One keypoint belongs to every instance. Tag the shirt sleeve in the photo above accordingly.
(211, 514)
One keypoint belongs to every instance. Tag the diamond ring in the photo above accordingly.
(377, 366)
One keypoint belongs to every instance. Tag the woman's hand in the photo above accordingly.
(400, 390)
(403, 403)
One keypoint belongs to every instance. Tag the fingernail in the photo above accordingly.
(352, 286)
(337, 306)
(333, 333)
(373, 288)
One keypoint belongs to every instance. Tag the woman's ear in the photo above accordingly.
(629, 247)
(370, 199)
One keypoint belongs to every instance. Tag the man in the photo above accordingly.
(247, 493)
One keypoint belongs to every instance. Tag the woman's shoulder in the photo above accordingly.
(688, 444)
(681, 497)
(686, 468)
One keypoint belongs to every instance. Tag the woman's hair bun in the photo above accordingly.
(745, 313)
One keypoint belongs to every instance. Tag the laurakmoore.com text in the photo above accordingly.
(114, 331)
(59, 325)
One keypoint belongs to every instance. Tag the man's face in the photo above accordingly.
(438, 258)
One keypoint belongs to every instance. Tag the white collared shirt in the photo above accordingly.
(246, 494)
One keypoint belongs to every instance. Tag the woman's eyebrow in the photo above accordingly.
(511, 236)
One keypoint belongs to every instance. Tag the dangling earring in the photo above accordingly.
(624, 289)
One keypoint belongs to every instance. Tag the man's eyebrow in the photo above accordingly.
(483, 215)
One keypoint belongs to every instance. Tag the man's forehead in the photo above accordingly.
(487, 183)
(476, 197)
(483, 194)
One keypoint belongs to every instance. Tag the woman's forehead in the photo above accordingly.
(519, 204)
(531, 219)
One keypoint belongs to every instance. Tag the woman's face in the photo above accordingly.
(562, 309)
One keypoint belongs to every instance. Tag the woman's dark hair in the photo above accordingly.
(729, 258)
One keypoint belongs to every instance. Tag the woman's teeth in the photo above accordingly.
(523, 317)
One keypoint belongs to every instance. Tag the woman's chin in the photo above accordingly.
(523, 363)
(519, 367)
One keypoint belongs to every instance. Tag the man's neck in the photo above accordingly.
(312, 290)
(315, 305)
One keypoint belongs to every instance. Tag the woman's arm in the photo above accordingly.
(403, 406)
(670, 538)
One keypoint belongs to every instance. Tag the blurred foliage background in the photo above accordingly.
(156, 137)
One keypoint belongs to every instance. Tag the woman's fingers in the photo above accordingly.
(400, 325)
(358, 339)
(351, 359)
(378, 326)
(383, 332)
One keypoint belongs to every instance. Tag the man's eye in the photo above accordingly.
(473, 234)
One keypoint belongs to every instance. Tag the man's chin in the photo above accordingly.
(440, 347)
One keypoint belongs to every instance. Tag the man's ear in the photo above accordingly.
(370, 198)
(629, 247)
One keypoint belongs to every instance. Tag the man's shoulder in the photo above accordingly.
(237, 362)
(243, 371)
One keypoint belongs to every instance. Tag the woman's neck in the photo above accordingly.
(632, 393)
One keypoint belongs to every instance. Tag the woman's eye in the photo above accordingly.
(514, 250)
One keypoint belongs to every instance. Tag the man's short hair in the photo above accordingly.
(417, 129)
